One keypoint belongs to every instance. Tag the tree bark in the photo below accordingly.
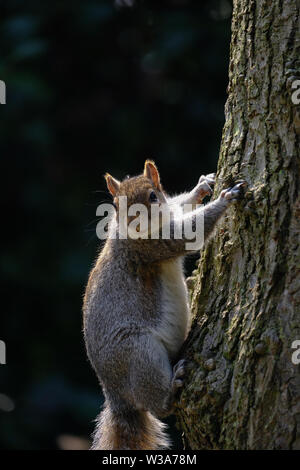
(242, 390)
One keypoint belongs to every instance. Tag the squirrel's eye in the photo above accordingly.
(153, 197)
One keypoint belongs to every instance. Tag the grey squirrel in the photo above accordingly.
(136, 315)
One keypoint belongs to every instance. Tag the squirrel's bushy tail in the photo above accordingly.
(129, 429)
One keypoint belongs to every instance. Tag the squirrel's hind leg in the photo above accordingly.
(176, 384)
(152, 380)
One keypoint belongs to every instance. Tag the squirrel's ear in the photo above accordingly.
(151, 172)
(113, 185)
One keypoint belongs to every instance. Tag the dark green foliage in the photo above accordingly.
(89, 89)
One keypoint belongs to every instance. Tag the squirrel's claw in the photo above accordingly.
(234, 193)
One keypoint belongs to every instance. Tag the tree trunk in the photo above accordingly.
(242, 390)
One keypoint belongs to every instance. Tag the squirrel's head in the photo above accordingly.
(144, 189)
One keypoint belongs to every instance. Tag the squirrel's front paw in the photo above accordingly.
(234, 193)
(205, 185)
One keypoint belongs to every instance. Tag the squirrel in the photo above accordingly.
(136, 315)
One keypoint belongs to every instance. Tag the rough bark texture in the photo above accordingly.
(242, 390)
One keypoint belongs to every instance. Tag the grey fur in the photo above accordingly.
(136, 318)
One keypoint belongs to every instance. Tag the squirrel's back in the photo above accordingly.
(125, 303)
(124, 295)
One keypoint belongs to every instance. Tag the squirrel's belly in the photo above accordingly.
(175, 315)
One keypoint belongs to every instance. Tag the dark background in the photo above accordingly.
(90, 88)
